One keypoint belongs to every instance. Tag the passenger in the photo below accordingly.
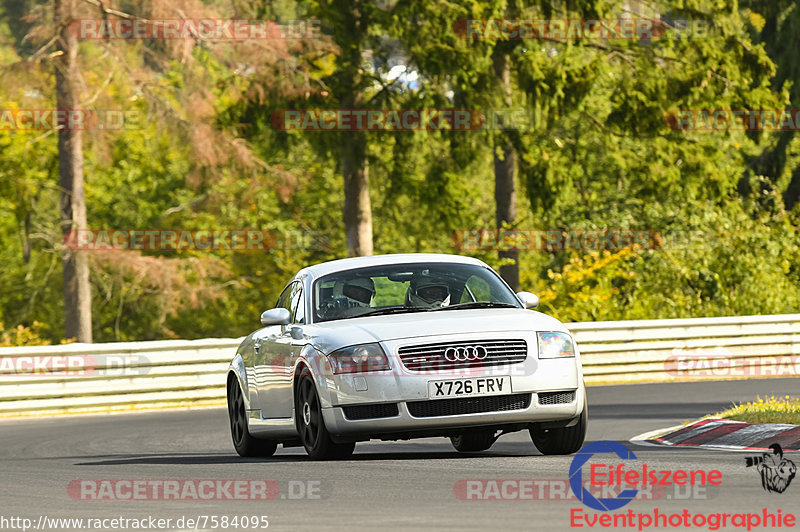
(427, 292)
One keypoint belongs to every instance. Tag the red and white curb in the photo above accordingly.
(717, 433)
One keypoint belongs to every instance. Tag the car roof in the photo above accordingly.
(325, 268)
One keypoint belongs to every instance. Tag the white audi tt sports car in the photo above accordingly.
(395, 347)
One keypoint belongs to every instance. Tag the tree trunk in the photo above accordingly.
(77, 293)
(355, 170)
(792, 193)
(357, 207)
(505, 191)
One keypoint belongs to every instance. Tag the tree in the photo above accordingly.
(183, 79)
(597, 154)
(774, 23)
(354, 28)
(77, 290)
(505, 187)
(350, 34)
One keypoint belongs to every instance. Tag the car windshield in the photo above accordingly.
(401, 288)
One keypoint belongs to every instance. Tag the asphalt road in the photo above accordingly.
(386, 485)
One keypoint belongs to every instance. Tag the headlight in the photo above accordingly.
(555, 345)
(359, 359)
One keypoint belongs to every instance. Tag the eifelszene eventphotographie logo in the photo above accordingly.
(620, 481)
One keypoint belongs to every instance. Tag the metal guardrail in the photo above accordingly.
(79, 378)
(173, 373)
(742, 347)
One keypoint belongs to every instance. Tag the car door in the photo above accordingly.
(289, 346)
(273, 353)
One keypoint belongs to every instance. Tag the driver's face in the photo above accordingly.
(433, 293)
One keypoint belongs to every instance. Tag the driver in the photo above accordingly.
(357, 292)
(427, 292)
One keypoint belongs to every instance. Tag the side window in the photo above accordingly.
(298, 304)
(285, 299)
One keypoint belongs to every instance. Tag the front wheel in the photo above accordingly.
(245, 444)
(315, 437)
(565, 440)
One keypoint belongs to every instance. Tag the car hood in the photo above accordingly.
(328, 336)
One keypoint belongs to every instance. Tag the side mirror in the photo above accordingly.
(528, 299)
(275, 316)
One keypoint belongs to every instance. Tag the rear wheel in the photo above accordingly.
(315, 437)
(565, 440)
(473, 441)
(245, 444)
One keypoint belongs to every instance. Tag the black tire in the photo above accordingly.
(566, 440)
(311, 426)
(244, 443)
(473, 441)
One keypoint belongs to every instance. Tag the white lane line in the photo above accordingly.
(654, 434)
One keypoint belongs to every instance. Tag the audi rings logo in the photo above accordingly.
(464, 353)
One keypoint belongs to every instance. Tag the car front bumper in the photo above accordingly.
(404, 422)
(402, 387)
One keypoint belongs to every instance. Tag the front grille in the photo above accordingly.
(472, 405)
(370, 411)
(556, 398)
(426, 357)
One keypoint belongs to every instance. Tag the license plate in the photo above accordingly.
(469, 387)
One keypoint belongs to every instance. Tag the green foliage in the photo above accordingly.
(732, 264)
(765, 410)
(21, 336)
(598, 155)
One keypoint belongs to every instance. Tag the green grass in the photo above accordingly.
(769, 410)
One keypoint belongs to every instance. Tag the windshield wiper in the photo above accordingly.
(394, 310)
(478, 304)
